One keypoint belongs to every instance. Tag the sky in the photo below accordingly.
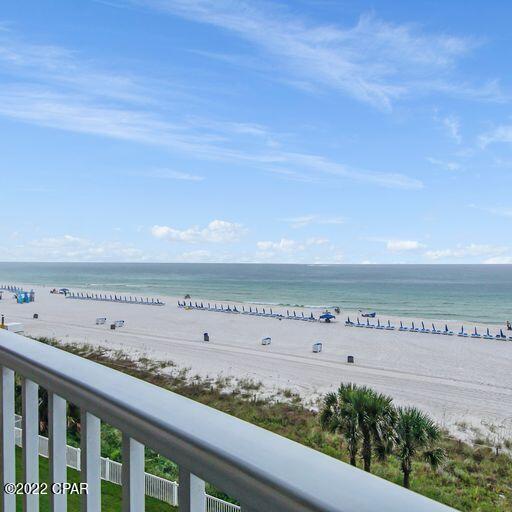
(307, 131)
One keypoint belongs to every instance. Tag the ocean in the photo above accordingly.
(480, 293)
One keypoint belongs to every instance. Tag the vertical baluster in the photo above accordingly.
(57, 448)
(30, 426)
(7, 447)
(90, 464)
(133, 475)
(191, 492)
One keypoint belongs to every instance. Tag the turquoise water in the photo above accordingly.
(468, 292)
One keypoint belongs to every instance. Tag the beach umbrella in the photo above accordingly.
(243, 309)
(263, 310)
(326, 316)
(294, 314)
(287, 312)
(250, 309)
(271, 311)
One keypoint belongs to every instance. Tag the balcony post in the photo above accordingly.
(7, 446)
(90, 464)
(30, 442)
(57, 441)
(133, 476)
(191, 492)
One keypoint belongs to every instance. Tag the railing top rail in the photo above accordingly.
(263, 470)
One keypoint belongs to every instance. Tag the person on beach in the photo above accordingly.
(509, 327)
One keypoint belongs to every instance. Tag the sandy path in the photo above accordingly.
(455, 379)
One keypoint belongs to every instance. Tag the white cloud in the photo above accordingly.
(74, 248)
(472, 250)
(173, 175)
(443, 164)
(51, 87)
(317, 241)
(283, 245)
(307, 220)
(217, 231)
(452, 126)
(499, 260)
(500, 211)
(501, 133)
(373, 61)
(403, 245)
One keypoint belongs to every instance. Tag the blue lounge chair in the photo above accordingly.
(488, 335)
(501, 336)
(434, 330)
(423, 330)
(413, 328)
(447, 331)
(402, 328)
(390, 327)
(359, 324)
(462, 333)
(475, 334)
(378, 326)
(348, 323)
(368, 324)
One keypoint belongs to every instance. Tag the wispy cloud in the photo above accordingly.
(170, 174)
(471, 251)
(403, 245)
(373, 61)
(307, 220)
(500, 211)
(444, 164)
(54, 90)
(502, 133)
(452, 126)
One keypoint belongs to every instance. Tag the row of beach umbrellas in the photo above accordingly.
(426, 330)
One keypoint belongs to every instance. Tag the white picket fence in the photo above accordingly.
(155, 486)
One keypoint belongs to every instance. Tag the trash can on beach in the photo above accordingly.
(206, 337)
(317, 347)
(350, 359)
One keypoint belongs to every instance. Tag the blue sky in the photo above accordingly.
(318, 131)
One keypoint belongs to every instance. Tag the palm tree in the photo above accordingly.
(416, 435)
(339, 416)
(375, 419)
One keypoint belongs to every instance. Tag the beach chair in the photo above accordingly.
(378, 326)
(475, 334)
(359, 324)
(501, 336)
(447, 331)
(390, 327)
(402, 327)
(414, 328)
(462, 333)
(348, 323)
(101, 321)
(434, 330)
(423, 329)
(488, 335)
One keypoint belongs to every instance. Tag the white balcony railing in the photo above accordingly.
(264, 471)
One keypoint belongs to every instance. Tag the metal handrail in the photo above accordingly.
(263, 470)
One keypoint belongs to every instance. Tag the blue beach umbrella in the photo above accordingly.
(327, 316)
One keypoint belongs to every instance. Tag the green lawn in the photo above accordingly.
(110, 493)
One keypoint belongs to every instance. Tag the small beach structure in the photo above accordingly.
(206, 337)
(267, 340)
(317, 347)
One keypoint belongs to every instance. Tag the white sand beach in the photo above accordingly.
(455, 379)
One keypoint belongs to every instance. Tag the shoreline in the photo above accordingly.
(454, 379)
